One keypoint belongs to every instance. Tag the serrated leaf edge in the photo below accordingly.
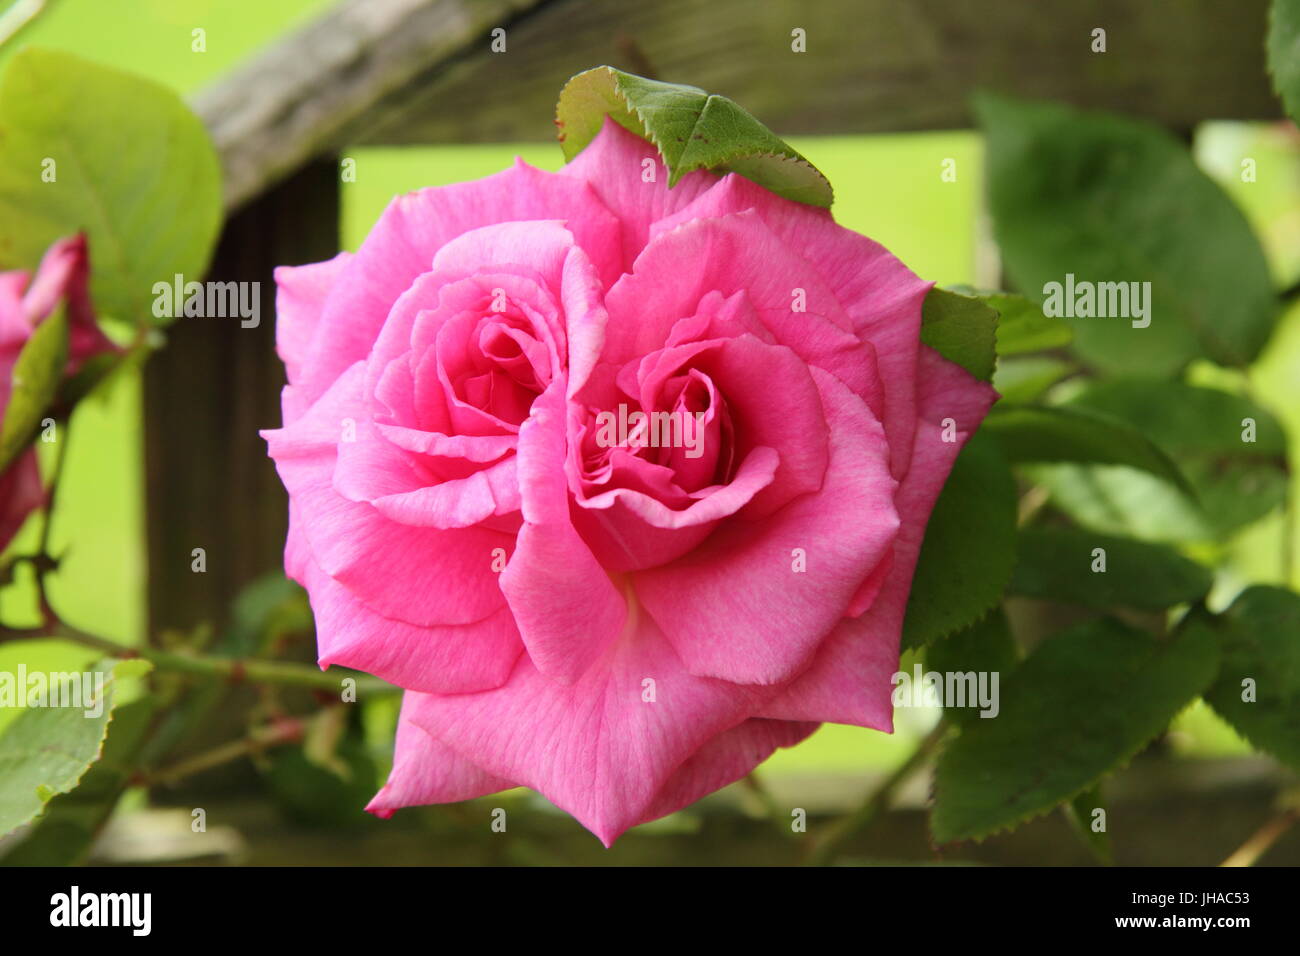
(675, 172)
(1121, 763)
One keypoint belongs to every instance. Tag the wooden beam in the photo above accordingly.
(399, 72)
(870, 66)
(312, 92)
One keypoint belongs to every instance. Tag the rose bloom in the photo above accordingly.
(623, 629)
(61, 279)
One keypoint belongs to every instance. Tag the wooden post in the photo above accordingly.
(208, 481)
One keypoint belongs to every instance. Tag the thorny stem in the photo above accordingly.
(824, 849)
(284, 731)
(227, 668)
(42, 566)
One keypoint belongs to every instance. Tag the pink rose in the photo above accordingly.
(624, 629)
(61, 278)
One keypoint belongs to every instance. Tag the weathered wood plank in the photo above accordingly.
(208, 481)
(311, 92)
(422, 71)
(870, 65)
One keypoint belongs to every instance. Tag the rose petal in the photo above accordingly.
(849, 680)
(881, 297)
(539, 245)
(424, 576)
(373, 470)
(426, 771)
(616, 164)
(476, 448)
(596, 748)
(736, 609)
(585, 316)
(300, 294)
(773, 402)
(21, 493)
(449, 659)
(566, 606)
(64, 276)
(734, 253)
(402, 246)
(630, 530)
(723, 760)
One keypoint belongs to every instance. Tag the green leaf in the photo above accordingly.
(984, 647)
(1021, 381)
(1234, 482)
(47, 750)
(969, 547)
(1116, 500)
(1260, 637)
(265, 610)
(311, 795)
(36, 378)
(1110, 199)
(133, 168)
(92, 375)
(691, 129)
(1037, 434)
(1080, 706)
(1284, 53)
(1022, 325)
(1080, 811)
(962, 329)
(1056, 564)
(43, 654)
(71, 822)
(1185, 419)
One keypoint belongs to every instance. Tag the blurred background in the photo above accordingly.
(281, 807)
